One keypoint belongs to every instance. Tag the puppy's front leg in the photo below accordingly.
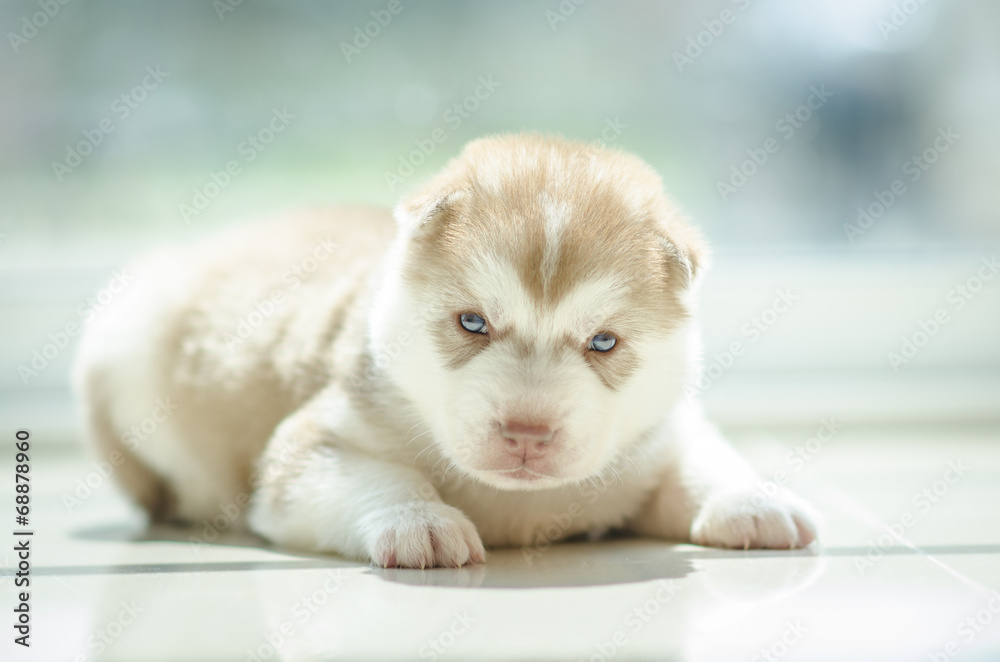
(711, 496)
(315, 493)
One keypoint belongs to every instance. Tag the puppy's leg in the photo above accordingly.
(711, 496)
(314, 493)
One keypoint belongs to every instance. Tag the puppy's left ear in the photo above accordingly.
(687, 252)
(691, 251)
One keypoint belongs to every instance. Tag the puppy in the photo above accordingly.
(503, 365)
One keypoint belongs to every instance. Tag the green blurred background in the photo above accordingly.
(690, 87)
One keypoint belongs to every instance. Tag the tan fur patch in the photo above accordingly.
(457, 344)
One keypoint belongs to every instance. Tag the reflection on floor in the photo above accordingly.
(105, 588)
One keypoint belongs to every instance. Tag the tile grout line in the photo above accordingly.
(853, 508)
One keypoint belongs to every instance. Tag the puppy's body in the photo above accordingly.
(321, 368)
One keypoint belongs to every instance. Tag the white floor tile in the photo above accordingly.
(105, 588)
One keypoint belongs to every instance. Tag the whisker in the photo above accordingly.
(417, 437)
(629, 458)
(413, 426)
(440, 460)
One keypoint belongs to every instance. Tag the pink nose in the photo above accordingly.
(523, 440)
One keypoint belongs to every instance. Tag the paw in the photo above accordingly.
(423, 535)
(750, 520)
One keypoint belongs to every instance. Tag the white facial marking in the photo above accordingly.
(557, 215)
(586, 308)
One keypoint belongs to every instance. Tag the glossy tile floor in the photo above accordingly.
(104, 588)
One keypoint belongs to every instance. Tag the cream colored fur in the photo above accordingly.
(324, 388)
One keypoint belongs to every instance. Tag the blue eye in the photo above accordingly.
(602, 342)
(473, 323)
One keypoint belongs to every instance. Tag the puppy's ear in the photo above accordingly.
(687, 252)
(422, 212)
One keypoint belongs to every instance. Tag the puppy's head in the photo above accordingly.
(537, 308)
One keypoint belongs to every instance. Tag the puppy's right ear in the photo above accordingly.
(422, 213)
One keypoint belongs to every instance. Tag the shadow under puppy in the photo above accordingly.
(503, 365)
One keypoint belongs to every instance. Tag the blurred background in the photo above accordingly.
(840, 155)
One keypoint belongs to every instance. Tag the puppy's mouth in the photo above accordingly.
(523, 473)
(519, 460)
(519, 478)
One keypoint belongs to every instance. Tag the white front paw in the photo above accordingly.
(747, 519)
(422, 535)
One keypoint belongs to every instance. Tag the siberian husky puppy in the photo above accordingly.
(503, 364)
